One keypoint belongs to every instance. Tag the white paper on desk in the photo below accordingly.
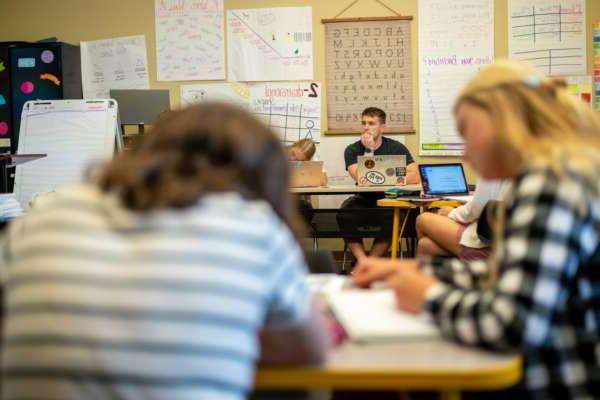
(119, 63)
(189, 40)
(372, 315)
(270, 44)
(464, 199)
(550, 35)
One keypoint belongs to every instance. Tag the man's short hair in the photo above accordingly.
(374, 112)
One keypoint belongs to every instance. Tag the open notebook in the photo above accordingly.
(372, 315)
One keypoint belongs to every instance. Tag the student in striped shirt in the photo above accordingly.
(539, 292)
(168, 277)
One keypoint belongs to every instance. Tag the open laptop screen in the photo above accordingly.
(443, 179)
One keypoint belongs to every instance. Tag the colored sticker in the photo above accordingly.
(27, 87)
(2, 100)
(26, 62)
(47, 56)
(3, 128)
(50, 78)
(2, 67)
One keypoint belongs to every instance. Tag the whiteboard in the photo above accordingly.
(72, 133)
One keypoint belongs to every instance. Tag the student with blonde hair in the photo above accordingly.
(539, 293)
(169, 277)
(302, 150)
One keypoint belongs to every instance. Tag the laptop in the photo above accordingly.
(387, 170)
(443, 179)
(305, 173)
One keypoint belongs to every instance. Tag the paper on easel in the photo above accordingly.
(73, 134)
(372, 315)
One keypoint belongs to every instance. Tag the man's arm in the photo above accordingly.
(412, 174)
(353, 171)
(305, 342)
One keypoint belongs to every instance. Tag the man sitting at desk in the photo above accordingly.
(373, 143)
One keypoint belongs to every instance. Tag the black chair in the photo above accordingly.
(321, 261)
(356, 223)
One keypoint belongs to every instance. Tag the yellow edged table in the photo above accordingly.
(432, 364)
(409, 205)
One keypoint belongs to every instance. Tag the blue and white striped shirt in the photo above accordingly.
(102, 302)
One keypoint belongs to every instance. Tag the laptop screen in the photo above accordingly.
(443, 179)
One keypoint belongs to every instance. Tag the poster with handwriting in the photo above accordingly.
(270, 44)
(189, 40)
(292, 109)
(234, 93)
(118, 63)
(549, 34)
(455, 41)
(368, 63)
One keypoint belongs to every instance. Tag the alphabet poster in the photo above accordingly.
(368, 63)
(189, 40)
(270, 44)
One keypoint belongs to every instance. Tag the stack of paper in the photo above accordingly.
(9, 206)
(373, 315)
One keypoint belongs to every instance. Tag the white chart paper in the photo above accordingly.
(270, 44)
(74, 134)
(234, 93)
(455, 41)
(291, 109)
(549, 34)
(189, 40)
(118, 63)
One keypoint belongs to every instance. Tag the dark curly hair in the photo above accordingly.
(207, 148)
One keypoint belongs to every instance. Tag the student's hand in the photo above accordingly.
(410, 287)
(445, 211)
(367, 141)
(371, 269)
(324, 179)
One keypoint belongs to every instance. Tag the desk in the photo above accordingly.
(408, 205)
(349, 189)
(435, 364)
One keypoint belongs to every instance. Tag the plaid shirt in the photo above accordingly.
(546, 303)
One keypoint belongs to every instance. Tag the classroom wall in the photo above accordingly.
(80, 20)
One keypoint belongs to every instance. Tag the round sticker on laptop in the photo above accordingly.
(369, 163)
(375, 177)
(390, 171)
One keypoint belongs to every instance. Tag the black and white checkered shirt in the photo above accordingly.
(546, 303)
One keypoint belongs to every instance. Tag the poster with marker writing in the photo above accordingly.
(118, 63)
(270, 44)
(549, 34)
(455, 41)
(189, 40)
(291, 109)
